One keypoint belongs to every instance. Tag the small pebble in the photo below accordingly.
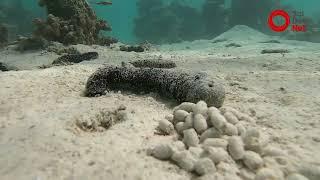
(162, 152)
(188, 122)
(216, 142)
(178, 146)
(241, 129)
(236, 147)
(179, 127)
(200, 108)
(204, 166)
(252, 160)
(196, 152)
(227, 168)
(166, 126)
(122, 115)
(200, 124)
(273, 151)
(210, 133)
(231, 118)
(186, 106)
(217, 120)
(296, 177)
(180, 115)
(169, 117)
(231, 177)
(122, 107)
(184, 160)
(252, 140)
(190, 137)
(268, 174)
(216, 154)
(246, 174)
(230, 130)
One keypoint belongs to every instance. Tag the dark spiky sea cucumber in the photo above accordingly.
(75, 58)
(153, 63)
(184, 86)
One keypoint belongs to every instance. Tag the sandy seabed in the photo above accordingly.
(38, 107)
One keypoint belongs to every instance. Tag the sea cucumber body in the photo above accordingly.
(181, 85)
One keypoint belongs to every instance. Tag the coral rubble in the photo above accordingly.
(71, 22)
(180, 85)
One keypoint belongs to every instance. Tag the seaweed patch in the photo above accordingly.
(180, 85)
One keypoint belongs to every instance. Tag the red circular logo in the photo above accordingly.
(282, 13)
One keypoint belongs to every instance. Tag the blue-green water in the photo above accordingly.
(122, 14)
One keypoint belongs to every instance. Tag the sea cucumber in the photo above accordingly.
(181, 85)
(269, 51)
(167, 64)
(75, 58)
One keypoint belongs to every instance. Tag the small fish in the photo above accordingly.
(104, 3)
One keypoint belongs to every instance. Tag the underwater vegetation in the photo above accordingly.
(71, 22)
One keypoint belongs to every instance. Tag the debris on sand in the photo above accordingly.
(103, 120)
(32, 43)
(132, 48)
(271, 41)
(214, 152)
(219, 40)
(270, 51)
(233, 45)
(180, 85)
(5, 67)
(153, 63)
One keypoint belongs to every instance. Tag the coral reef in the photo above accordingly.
(75, 58)
(180, 85)
(71, 22)
(206, 147)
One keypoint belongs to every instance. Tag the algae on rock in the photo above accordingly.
(71, 22)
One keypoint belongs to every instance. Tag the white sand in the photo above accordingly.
(38, 108)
